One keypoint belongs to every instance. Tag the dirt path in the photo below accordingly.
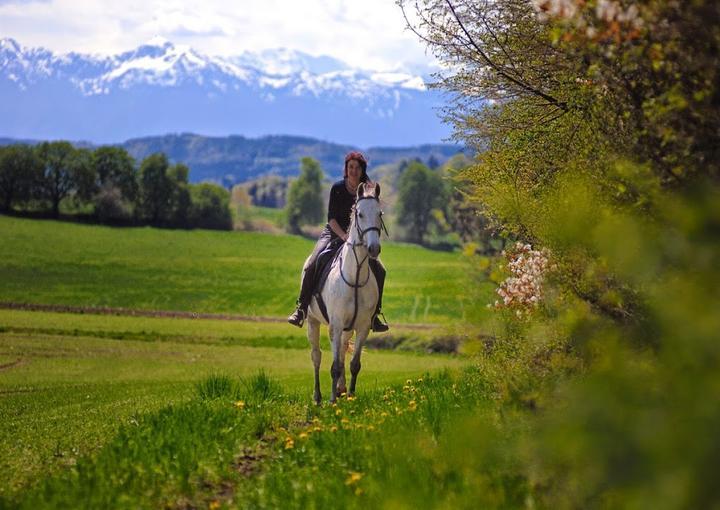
(104, 310)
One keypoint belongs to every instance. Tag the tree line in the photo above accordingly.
(427, 206)
(107, 184)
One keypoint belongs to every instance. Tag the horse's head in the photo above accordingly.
(368, 218)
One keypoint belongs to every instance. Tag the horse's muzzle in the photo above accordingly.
(374, 250)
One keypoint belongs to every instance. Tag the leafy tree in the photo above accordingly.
(66, 171)
(20, 172)
(156, 189)
(180, 201)
(600, 121)
(305, 203)
(420, 191)
(116, 168)
(210, 207)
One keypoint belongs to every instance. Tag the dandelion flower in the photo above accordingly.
(240, 404)
(353, 478)
(289, 443)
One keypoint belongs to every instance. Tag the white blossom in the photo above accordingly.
(524, 288)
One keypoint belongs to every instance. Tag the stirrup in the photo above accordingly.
(297, 318)
(379, 326)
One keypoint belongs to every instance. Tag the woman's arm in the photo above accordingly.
(337, 229)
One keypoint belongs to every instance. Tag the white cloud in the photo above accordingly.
(368, 34)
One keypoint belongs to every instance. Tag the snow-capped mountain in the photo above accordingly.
(160, 87)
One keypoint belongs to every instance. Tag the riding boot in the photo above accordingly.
(297, 318)
(378, 270)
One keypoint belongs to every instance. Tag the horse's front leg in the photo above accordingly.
(355, 361)
(313, 333)
(338, 365)
(342, 384)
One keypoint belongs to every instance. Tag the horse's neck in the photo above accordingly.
(351, 260)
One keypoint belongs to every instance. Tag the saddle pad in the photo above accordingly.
(323, 264)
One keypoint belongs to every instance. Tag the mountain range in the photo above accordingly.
(160, 87)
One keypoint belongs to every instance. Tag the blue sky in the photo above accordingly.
(368, 34)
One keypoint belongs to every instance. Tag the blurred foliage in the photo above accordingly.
(304, 200)
(420, 192)
(601, 124)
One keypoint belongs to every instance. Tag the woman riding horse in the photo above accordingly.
(342, 199)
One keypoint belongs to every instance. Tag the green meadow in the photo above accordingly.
(244, 273)
(73, 385)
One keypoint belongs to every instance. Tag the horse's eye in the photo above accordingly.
(361, 215)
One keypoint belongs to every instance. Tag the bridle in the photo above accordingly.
(361, 234)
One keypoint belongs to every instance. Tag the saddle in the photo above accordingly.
(323, 264)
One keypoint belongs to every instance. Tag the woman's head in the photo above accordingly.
(360, 160)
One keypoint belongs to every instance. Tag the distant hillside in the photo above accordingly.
(235, 159)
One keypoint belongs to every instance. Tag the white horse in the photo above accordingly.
(350, 294)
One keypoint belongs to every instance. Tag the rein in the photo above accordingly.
(359, 263)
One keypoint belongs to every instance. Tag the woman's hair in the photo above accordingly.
(357, 156)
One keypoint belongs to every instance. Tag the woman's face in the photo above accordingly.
(354, 171)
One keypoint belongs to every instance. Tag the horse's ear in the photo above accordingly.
(377, 190)
(361, 190)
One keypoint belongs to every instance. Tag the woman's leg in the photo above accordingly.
(379, 271)
(308, 279)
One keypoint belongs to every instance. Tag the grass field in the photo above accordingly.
(72, 386)
(71, 380)
(204, 271)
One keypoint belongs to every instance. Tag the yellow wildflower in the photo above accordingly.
(351, 398)
(240, 404)
(289, 443)
(333, 428)
(214, 505)
(353, 478)
(338, 412)
(302, 435)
